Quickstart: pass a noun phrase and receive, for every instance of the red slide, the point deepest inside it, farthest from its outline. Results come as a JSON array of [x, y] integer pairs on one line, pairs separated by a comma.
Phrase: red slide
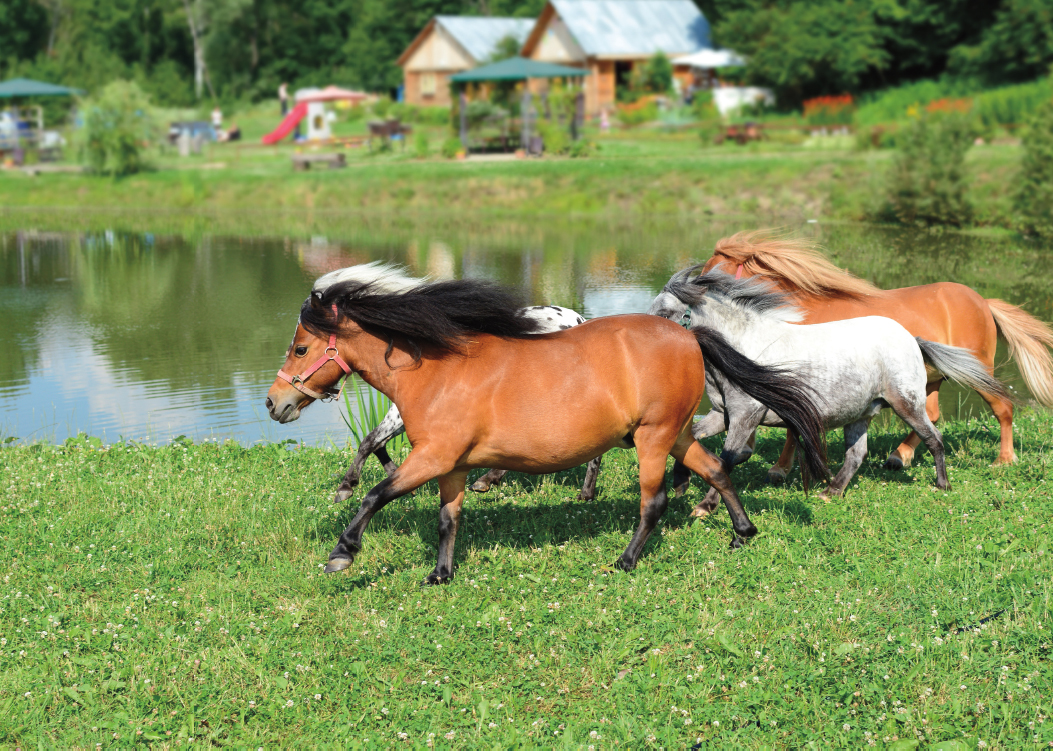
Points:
[[298, 113]]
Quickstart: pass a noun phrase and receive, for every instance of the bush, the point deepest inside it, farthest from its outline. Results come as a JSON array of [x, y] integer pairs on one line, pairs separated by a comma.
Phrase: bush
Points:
[[1034, 196], [655, 76], [702, 106], [1012, 105], [632, 115], [451, 147], [555, 137], [829, 110], [710, 132], [420, 145], [926, 184], [355, 113], [382, 107], [581, 148], [118, 125]]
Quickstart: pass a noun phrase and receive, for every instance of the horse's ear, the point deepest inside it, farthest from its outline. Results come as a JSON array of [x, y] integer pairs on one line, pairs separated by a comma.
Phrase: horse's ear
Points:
[[315, 299]]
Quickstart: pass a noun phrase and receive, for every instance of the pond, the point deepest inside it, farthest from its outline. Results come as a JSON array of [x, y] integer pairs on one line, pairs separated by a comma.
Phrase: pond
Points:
[[142, 336]]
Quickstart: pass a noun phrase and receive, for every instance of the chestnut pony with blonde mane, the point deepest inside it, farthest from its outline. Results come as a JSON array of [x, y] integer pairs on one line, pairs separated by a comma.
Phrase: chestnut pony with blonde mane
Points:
[[945, 312]]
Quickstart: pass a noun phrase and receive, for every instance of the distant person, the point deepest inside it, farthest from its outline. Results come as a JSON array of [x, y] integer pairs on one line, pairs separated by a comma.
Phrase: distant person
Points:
[[217, 118], [605, 121], [283, 97], [233, 133]]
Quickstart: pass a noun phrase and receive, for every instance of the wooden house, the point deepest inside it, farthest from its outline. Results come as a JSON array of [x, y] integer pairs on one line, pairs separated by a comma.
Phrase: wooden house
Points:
[[451, 44], [609, 37]]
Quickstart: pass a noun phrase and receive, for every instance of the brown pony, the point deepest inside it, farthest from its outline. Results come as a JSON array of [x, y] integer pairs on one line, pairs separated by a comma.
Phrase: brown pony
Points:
[[476, 390], [944, 312]]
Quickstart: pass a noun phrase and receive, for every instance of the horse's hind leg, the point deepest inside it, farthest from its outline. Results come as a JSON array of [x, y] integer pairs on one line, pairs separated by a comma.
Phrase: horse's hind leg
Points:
[[738, 447], [917, 418], [373, 443], [451, 496], [1003, 410], [779, 471], [713, 423], [653, 499], [703, 463], [855, 453], [903, 455], [488, 480]]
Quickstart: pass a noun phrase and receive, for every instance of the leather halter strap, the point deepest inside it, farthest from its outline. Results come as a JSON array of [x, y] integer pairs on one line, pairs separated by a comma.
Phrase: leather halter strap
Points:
[[331, 354], [738, 272]]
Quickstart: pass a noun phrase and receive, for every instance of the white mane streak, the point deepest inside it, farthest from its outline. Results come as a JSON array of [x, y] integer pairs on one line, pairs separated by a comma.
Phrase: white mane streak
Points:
[[383, 278]]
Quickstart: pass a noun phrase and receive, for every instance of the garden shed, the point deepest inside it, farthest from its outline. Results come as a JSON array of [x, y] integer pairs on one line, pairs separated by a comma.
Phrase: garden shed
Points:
[[609, 37], [451, 44]]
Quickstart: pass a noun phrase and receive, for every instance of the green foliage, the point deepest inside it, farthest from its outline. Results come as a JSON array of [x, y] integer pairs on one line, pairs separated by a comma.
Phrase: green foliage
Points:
[[1034, 192], [480, 112], [927, 183], [505, 48], [118, 125], [634, 115], [702, 106], [1017, 46], [355, 113], [411, 113], [581, 148], [451, 147], [421, 147], [654, 76], [1012, 105], [382, 107], [555, 137], [365, 414]]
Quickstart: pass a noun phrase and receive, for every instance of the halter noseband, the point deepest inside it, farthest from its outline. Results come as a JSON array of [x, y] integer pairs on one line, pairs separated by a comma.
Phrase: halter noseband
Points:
[[331, 354]]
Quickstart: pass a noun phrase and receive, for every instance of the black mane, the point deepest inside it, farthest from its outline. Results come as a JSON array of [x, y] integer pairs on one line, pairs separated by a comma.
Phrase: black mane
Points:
[[752, 294], [439, 315]]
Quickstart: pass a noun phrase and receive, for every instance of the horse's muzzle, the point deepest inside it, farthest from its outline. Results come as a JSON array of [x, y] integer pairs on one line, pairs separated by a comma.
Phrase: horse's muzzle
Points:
[[284, 410]]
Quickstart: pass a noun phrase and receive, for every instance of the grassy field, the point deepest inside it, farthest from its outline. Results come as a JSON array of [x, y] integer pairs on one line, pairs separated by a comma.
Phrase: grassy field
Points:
[[639, 173], [169, 595]]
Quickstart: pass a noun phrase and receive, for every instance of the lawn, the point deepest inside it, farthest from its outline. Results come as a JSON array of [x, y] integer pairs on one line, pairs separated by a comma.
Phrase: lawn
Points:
[[163, 594]]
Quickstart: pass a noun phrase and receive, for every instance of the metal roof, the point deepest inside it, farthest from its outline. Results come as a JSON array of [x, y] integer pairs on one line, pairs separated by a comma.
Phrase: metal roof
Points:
[[635, 27], [479, 35], [518, 69], [16, 87]]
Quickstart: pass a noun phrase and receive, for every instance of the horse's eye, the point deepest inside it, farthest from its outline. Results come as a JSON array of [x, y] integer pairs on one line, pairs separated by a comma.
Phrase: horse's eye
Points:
[[301, 351]]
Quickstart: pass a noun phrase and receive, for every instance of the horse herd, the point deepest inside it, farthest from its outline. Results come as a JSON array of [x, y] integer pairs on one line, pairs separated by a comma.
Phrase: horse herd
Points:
[[779, 335]]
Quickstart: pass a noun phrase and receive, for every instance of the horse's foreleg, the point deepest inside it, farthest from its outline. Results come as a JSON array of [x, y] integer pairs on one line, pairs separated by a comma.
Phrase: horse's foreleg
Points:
[[419, 467], [855, 453], [653, 499], [704, 463], [1003, 410], [373, 443], [488, 480], [902, 456], [592, 472], [738, 447], [451, 496]]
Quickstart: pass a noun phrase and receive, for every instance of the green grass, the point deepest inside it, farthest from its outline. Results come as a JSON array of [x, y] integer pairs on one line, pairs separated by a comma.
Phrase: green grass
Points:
[[162, 594]]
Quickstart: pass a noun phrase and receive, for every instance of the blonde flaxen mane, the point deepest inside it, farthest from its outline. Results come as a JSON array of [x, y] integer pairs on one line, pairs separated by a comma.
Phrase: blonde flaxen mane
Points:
[[795, 263]]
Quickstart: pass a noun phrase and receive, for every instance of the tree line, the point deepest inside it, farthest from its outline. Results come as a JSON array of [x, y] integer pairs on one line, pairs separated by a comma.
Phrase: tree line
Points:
[[187, 51]]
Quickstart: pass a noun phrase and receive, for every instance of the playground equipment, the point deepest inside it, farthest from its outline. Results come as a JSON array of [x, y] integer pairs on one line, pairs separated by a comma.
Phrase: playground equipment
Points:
[[311, 104]]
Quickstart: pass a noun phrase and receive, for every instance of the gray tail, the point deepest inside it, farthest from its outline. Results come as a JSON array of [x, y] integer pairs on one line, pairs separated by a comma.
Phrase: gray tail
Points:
[[963, 367], [779, 390]]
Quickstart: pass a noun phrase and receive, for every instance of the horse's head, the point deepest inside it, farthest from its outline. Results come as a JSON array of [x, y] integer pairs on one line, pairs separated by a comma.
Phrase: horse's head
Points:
[[312, 370], [676, 296]]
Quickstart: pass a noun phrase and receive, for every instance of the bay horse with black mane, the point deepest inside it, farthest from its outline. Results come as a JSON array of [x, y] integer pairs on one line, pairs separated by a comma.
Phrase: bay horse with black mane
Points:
[[945, 313], [476, 389]]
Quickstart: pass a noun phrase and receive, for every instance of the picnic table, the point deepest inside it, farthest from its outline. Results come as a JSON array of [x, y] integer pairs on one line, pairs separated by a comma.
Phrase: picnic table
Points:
[[303, 162]]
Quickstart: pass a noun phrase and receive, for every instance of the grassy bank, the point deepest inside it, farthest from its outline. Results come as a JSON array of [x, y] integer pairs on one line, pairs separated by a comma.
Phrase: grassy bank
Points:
[[640, 174], [164, 594]]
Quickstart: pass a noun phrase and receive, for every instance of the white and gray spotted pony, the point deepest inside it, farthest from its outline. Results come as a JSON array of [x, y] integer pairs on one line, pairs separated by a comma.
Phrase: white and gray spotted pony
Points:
[[857, 366], [549, 318]]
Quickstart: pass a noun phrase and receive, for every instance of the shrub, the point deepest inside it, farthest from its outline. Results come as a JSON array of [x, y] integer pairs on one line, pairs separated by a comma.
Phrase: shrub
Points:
[[638, 113], [1012, 105], [581, 148], [382, 107], [420, 145], [355, 113], [118, 125], [555, 137], [1034, 194], [702, 106], [926, 184], [829, 110], [451, 147], [655, 76], [710, 132]]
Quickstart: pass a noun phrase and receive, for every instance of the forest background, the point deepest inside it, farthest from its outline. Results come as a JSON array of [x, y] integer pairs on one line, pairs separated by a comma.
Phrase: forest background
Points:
[[183, 52]]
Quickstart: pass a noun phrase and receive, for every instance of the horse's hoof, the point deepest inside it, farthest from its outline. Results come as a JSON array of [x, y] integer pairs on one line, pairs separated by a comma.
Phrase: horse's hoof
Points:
[[1001, 461], [583, 496], [893, 463], [337, 564], [479, 486], [343, 494], [679, 490], [737, 543], [699, 512], [776, 476], [945, 487], [433, 579], [625, 565]]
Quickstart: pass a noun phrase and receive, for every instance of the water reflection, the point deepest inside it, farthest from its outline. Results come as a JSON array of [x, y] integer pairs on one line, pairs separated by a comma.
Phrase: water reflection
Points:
[[149, 337]]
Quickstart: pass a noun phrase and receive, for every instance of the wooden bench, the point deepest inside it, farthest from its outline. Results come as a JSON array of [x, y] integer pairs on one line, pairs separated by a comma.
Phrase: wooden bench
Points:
[[303, 162]]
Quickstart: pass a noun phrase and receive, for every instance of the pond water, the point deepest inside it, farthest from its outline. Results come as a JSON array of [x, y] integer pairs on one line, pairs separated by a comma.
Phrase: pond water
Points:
[[148, 337]]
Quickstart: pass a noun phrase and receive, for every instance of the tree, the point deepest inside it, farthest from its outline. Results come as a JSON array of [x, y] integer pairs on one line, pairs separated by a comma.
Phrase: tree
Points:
[[116, 125], [1018, 45], [1034, 194]]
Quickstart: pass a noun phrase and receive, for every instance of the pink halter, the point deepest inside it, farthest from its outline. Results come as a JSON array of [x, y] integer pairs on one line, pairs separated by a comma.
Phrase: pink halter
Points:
[[298, 382], [738, 272]]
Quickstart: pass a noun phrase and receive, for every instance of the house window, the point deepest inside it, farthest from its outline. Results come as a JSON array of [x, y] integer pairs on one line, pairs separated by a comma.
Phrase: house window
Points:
[[427, 84]]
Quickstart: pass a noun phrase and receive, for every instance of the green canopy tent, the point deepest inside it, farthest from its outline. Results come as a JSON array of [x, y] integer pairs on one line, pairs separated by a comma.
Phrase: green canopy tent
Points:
[[26, 87], [517, 69]]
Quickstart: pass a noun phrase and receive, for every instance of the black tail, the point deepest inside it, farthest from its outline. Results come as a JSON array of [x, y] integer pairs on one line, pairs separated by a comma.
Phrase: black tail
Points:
[[778, 390]]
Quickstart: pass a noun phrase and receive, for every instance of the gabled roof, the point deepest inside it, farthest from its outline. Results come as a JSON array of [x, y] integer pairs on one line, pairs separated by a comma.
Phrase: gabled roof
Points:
[[634, 28], [477, 35], [518, 69]]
